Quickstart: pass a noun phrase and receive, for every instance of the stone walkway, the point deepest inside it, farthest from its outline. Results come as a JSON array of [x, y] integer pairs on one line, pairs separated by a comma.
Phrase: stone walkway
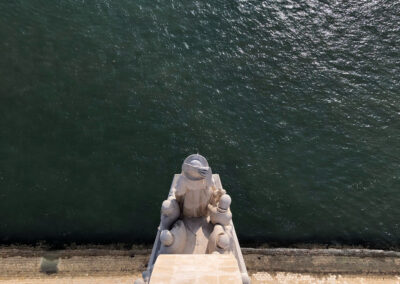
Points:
[[258, 278]]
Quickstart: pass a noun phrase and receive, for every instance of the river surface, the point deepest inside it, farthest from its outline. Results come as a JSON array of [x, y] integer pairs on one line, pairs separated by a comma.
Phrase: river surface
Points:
[[296, 104]]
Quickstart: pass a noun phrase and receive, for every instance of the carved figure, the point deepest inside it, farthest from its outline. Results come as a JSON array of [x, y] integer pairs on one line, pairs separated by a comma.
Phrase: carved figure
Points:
[[222, 214], [196, 217], [173, 241], [195, 200], [219, 241], [193, 190]]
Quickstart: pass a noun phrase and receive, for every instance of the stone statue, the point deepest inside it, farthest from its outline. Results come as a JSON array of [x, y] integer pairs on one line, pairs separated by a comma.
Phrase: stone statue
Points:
[[196, 218], [198, 204]]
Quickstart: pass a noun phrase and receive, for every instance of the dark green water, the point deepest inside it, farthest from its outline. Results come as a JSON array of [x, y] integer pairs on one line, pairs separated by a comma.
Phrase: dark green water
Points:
[[296, 104]]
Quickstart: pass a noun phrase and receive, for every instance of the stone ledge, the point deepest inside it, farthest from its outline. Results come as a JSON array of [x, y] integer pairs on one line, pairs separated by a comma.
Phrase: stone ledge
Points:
[[17, 262]]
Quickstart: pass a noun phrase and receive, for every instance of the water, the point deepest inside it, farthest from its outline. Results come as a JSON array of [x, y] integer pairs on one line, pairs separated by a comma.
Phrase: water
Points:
[[296, 104]]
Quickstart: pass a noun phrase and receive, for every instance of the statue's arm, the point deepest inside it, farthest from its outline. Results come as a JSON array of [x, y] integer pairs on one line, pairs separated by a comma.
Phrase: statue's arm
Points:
[[179, 190], [170, 209]]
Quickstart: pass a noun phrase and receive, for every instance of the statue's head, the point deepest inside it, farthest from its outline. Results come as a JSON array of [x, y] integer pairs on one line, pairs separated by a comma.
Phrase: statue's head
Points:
[[192, 165]]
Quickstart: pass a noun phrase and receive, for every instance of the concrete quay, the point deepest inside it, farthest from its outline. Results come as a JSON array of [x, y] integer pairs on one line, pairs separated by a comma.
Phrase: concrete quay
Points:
[[103, 264]]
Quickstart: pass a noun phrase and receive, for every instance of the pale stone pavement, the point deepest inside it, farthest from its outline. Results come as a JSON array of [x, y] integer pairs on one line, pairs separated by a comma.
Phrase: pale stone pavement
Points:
[[258, 278]]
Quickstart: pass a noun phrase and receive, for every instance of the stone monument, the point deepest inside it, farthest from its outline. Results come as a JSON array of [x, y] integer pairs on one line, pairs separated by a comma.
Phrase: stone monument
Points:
[[196, 218]]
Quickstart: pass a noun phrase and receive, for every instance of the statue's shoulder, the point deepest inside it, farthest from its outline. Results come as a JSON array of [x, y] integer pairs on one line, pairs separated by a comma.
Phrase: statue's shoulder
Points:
[[181, 180], [181, 184]]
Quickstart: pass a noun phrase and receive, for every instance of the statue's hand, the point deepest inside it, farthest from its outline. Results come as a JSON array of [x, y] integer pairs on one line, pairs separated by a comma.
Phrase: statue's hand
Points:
[[204, 171]]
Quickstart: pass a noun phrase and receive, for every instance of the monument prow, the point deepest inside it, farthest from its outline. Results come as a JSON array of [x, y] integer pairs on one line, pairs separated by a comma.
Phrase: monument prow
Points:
[[196, 220]]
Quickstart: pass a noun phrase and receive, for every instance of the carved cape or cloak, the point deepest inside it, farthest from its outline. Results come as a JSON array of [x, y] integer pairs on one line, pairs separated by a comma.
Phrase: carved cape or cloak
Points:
[[193, 196]]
